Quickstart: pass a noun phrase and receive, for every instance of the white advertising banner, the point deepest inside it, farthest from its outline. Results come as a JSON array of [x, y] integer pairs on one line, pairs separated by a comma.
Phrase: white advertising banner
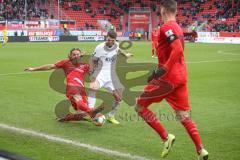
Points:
[[205, 36], [225, 40], [90, 38], [85, 33], [208, 34], [44, 38], [230, 40], [123, 38], [214, 37], [12, 32]]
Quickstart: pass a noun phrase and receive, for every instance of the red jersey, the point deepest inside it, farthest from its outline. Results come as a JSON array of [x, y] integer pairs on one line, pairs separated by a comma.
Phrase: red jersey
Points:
[[173, 61], [74, 73], [155, 36]]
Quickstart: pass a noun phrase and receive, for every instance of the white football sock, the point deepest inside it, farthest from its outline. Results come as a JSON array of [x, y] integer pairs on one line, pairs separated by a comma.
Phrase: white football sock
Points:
[[115, 107], [91, 99]]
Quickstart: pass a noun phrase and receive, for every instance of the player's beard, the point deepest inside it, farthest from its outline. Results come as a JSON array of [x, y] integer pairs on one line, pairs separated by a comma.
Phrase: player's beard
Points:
[[76, 60]]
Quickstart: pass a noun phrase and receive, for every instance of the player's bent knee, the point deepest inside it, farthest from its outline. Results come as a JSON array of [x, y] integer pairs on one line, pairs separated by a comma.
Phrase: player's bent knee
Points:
[[74, 100], [142, 102], [138, 108], [182, 115], [77, 97]]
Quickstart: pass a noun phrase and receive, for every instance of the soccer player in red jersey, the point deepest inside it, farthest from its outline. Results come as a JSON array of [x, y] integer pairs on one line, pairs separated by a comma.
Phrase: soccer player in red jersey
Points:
[[154, 36], [169, 82], [75, 90]]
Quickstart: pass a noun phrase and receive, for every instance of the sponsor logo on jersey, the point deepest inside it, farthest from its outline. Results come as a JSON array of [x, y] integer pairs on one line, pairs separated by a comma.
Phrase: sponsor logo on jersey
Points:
[[109, 59]]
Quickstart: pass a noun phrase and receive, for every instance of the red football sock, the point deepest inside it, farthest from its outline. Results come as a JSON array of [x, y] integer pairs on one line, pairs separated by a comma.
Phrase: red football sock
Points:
[[73, 117], [192, 130], [152, 121], [80, 105]]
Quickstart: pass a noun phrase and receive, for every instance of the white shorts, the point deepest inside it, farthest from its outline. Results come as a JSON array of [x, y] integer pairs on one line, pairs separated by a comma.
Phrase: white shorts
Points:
[[109, 83]]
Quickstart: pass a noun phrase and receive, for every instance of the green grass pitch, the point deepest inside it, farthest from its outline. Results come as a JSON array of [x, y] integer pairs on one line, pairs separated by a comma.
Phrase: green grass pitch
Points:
[[28, 102]]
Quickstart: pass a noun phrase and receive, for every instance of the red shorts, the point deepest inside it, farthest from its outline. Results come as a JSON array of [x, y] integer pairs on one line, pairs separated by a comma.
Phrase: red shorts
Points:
[[154, 45], [76, 90], [157, 90]]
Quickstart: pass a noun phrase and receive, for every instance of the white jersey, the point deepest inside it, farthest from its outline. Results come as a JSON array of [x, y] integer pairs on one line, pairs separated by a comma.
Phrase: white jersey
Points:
[[105, 72], [106, 56]]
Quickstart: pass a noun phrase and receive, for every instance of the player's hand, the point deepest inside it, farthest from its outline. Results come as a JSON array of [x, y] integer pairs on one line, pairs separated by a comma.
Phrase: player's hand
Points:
[[151, 76], [157, 73], [29, 69]]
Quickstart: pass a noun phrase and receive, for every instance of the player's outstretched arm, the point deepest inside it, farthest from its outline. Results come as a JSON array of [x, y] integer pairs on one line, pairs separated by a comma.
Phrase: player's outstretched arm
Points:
[[41, 68], [128, 55]]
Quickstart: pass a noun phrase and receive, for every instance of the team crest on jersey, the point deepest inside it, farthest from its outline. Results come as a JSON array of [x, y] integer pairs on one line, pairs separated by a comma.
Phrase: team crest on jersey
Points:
[[170, 36], [169, 33]]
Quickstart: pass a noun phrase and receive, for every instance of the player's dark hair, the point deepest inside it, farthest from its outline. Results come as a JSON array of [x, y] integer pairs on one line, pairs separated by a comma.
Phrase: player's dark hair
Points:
[[73, 49], [112, 34], [169, 5]]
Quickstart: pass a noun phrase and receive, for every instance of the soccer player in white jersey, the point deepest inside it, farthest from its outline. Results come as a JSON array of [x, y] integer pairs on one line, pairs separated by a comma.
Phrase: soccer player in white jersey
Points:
[[102, 67]]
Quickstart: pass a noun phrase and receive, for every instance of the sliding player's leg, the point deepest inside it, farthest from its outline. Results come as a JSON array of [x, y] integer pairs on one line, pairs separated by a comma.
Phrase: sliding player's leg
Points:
[[80, 103], [94, 87]]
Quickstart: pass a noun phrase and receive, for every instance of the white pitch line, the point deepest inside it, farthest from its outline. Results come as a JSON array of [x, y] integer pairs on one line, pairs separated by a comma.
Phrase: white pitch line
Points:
[[71, 142], [228, 53], [137, 65]]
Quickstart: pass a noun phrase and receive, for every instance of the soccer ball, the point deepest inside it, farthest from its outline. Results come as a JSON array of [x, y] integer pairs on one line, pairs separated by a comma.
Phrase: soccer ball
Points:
[[99, 119]]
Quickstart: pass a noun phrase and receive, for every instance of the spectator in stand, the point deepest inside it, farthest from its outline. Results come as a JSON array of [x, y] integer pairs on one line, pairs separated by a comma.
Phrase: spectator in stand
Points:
[[22, 33], [225, 9], [131, 35], [65, 27], [146, 35], [15, 33], [12, 10], [139, 36]]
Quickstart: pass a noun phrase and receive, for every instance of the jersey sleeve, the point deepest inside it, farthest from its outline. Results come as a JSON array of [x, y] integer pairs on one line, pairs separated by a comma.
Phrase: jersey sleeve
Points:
[[175, 45], [169, 33], [60, 64], [96, 53], [118, 48]]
